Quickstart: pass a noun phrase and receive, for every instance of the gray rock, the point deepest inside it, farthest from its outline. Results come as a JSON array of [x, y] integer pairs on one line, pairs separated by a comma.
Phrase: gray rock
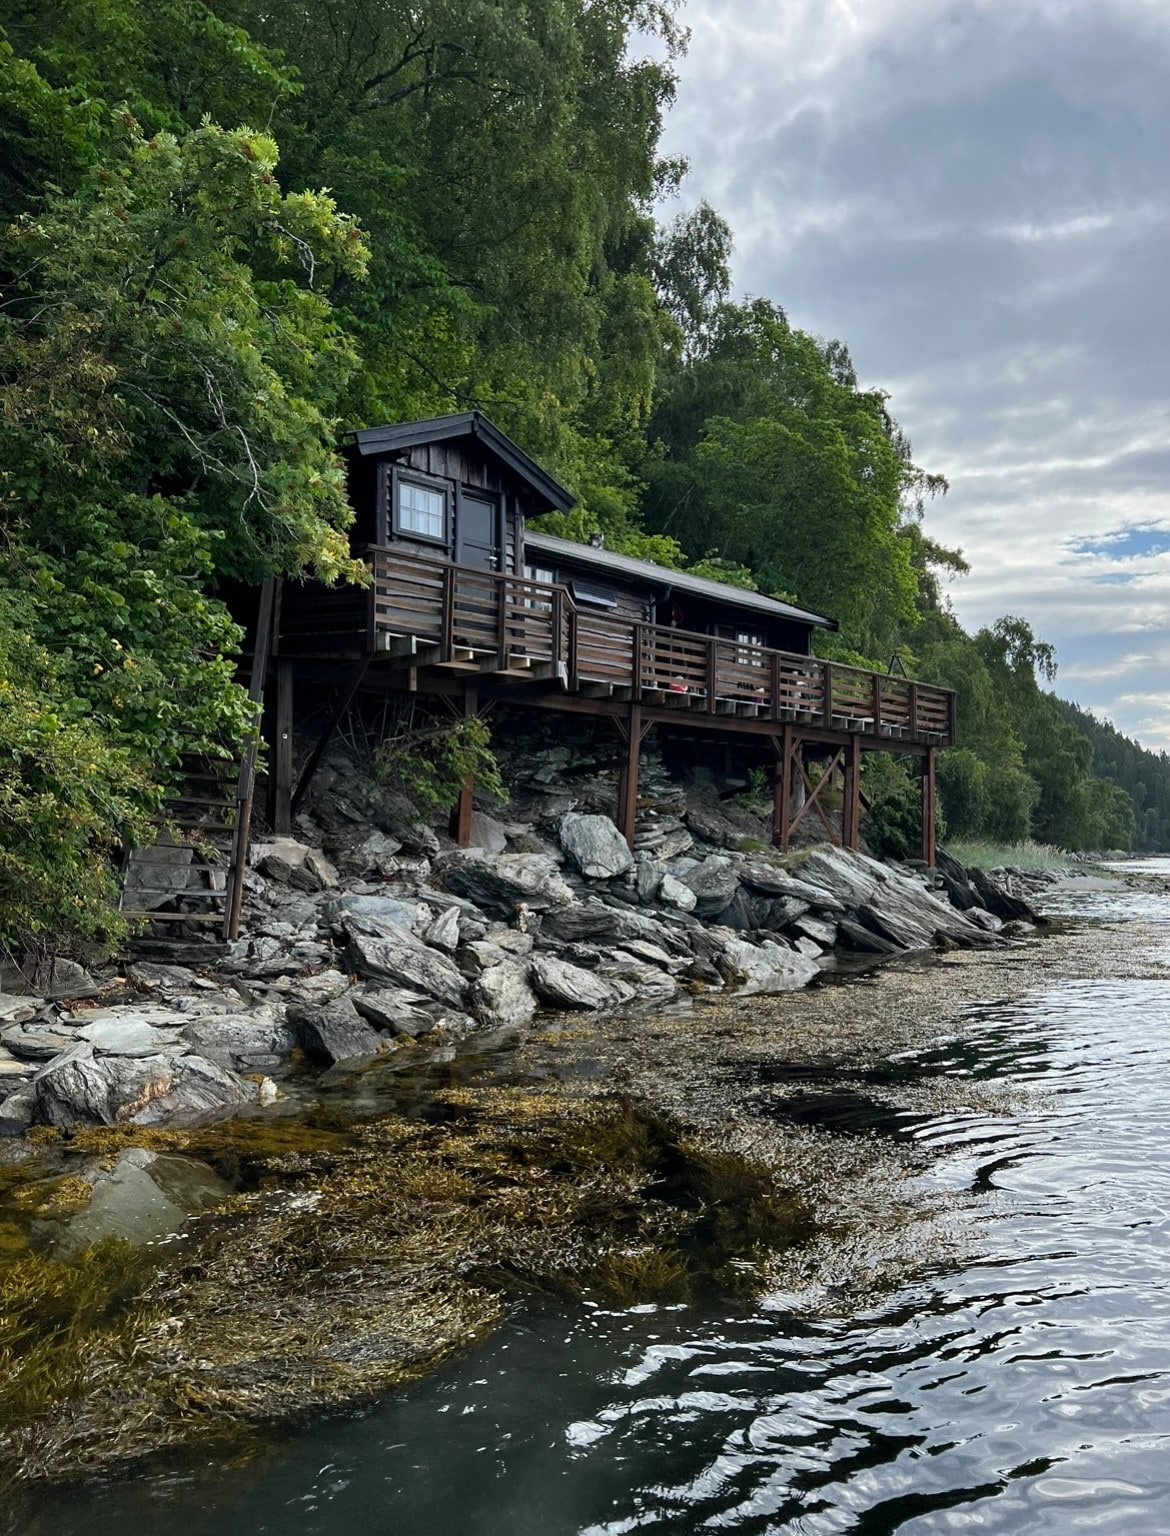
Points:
[[500, 883], [335, 1034], [994, 895], [15, 1009], [82, 1089], [315, 873], [714, 883], [379, 913], [501, 997], [561, 985], [595, 846], [512, 941], [664, 844], [479, 956], [955, 881], [36, 1042], [287, 850], [854, 935], [143, 1197], [233, 1038], [153, 976], [444, 931], [764, 967], [983, 919], [155, 876], [17, 1109], [673, 893], [710, 827], [653, 954], [818, 929], [402, 960], [319, 989], [648, 880], [128, 1037], [395, 1010], [487, 833], [806, 946], [648, 985]]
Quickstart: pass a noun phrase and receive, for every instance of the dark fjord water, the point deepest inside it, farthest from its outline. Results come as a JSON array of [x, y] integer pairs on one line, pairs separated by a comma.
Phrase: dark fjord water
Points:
[[1022, 1389]]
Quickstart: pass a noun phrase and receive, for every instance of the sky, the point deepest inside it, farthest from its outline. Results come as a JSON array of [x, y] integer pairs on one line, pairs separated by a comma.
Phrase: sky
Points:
[[975, 197]]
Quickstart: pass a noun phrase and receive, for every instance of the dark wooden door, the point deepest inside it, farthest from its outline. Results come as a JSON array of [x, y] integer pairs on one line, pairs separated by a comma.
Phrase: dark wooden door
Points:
[[477, 533]]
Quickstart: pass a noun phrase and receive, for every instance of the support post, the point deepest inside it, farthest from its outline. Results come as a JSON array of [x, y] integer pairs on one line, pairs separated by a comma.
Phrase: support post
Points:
[[461, 816], [782, 789], [851, 804], [631, 731], [282, 748], [929, 846]]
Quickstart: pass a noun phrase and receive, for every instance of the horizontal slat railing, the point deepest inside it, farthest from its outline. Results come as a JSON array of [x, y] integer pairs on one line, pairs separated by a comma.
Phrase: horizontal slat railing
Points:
[[470, 614]]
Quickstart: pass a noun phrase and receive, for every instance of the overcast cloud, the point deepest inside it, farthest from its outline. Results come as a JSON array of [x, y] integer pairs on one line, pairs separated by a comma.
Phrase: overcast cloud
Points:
[[975, 198]]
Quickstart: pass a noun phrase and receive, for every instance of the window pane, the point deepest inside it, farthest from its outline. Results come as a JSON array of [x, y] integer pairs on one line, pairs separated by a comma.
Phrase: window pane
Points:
[[421, 510]]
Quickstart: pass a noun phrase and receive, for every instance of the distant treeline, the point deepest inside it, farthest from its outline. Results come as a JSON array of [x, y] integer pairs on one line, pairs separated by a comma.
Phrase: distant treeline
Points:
[[1143, 775], [190, 320]]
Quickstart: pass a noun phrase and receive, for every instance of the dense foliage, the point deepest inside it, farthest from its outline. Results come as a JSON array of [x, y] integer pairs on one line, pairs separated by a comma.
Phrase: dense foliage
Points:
[[189, 317]]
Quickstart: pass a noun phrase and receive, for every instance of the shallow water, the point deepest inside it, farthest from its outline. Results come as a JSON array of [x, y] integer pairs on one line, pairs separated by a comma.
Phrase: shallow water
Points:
[[1022, 1388]]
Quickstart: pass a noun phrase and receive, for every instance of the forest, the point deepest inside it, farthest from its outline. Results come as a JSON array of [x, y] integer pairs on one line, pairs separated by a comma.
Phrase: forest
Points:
[[229, 232]]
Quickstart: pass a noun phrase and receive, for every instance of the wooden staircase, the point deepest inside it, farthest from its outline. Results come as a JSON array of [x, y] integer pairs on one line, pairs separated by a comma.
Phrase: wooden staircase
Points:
[[193, 872]]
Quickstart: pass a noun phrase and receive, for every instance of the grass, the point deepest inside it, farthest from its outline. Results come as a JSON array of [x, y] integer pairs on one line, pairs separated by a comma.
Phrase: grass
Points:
[[1027, 855]]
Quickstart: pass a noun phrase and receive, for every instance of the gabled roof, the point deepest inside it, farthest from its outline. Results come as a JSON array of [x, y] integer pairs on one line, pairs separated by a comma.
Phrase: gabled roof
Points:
[[409, 434], [565, 552]]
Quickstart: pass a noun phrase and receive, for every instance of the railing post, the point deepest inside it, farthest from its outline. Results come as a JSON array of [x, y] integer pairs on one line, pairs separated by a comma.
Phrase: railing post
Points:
[[448, 631], [639, 643], [913, 687], [952, 719], [712, 672], [827, 695], [574, 651], [500, 583], [557, 620], [877, 704], [774, 682]]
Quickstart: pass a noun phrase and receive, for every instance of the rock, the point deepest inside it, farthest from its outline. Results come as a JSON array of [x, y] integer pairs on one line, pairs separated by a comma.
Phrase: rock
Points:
[[773, 880], [1017, 928], [512, 941], [501, 997], [983, 919], [15, 1009], [397, 1011], [379, 914], [335, 1034], [36, 1042], [232, 1038], [806, 946], [955, 881], [80, 1088], [499, 883], [595, 846], [479, 956], [378, 852], [709, 827], [142, 1197], [747, 911], [12, 1066], [289, 853], [156, 876], [855, 936], [664, 843], [487, 833], [713, 883], [17, 1109], [998, 900], [648, 985], [641, 949], [444, 931], [320, 989], [131, 1036], [818, 929], [673, 893], [648, 880], [401, 959], [764, 967], [315, 873], [156, 977], [561, 985]]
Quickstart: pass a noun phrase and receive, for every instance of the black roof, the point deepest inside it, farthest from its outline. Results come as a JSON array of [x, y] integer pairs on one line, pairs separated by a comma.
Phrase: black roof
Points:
[[564, 551], [408, 434]]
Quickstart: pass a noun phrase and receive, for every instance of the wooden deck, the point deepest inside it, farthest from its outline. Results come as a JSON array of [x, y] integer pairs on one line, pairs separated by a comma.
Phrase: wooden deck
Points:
[[431, 614]]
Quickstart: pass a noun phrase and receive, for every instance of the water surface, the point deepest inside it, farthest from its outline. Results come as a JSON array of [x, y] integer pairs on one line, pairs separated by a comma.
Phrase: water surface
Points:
[[1024, 1388]]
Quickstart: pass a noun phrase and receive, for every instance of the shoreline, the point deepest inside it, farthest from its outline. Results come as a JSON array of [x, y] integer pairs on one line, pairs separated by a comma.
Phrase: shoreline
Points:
[[597, 1156]]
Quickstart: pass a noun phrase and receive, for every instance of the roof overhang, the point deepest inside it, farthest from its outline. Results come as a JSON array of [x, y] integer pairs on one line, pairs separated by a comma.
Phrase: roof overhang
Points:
[[372, 441], [665, 579]]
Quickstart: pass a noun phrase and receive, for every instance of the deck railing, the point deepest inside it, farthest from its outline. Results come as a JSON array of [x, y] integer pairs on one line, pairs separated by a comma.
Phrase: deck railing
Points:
[[463, 616]]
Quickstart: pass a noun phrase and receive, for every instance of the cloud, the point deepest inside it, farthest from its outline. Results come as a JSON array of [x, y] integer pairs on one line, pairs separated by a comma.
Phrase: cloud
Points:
[[973, 196]]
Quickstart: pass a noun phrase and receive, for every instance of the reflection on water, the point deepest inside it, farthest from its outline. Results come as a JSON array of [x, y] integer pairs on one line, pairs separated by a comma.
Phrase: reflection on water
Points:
[[1028, 1391]]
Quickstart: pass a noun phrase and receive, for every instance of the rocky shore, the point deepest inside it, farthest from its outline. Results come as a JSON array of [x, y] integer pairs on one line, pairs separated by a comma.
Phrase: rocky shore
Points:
[[253, 1182]]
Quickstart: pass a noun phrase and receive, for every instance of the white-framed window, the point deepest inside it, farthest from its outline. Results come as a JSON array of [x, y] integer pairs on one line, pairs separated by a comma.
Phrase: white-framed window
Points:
[[534, 599], [420, 510], [746, 658]]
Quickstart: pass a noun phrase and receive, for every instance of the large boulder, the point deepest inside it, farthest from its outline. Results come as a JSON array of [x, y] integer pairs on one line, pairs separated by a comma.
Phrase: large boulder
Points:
[[595, 846], [235, 1039], [501, 997], [334, 1034], [764, 967], [395, 1010], [401, 959], [713, 883], [81, 1088], [673, 893], [561, 985], [499, 883]]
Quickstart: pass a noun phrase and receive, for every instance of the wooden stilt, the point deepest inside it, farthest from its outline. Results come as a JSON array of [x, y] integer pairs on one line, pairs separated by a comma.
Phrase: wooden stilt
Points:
[[851, 803], [461, 816], [929, 809], [631, 732], [281, 761], [781, 788]]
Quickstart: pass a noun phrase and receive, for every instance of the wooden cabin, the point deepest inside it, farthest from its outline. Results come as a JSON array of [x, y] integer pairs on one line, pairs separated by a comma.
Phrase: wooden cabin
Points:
[[468, 602]]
